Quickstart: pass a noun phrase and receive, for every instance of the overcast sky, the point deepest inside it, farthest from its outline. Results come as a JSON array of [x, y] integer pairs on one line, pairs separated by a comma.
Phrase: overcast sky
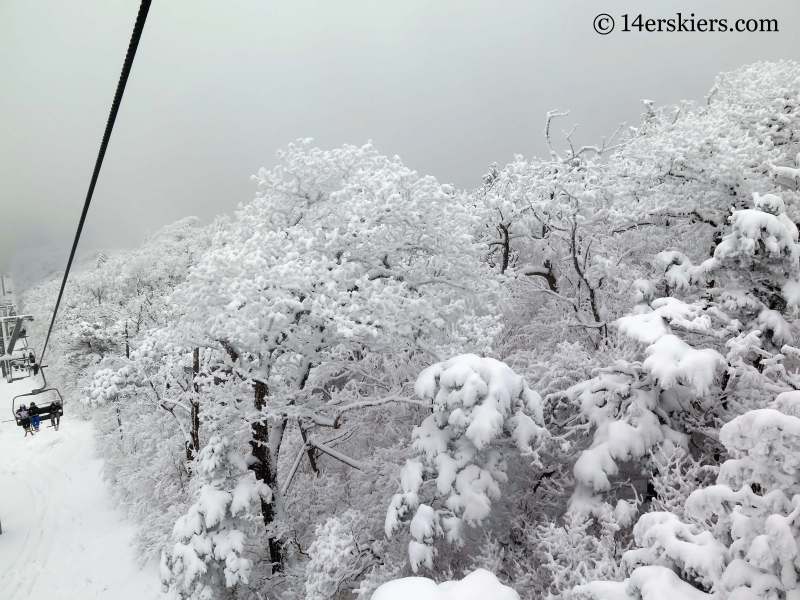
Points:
[[219, 85]]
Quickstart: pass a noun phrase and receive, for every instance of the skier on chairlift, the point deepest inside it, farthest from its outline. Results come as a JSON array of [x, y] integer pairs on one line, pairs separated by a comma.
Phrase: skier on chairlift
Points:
[[24, 419], [33, 412], [55, 414]]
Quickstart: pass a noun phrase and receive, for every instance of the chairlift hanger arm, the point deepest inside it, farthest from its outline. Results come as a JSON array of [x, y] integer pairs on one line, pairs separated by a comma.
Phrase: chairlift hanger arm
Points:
[[15, 318], [14, 337]]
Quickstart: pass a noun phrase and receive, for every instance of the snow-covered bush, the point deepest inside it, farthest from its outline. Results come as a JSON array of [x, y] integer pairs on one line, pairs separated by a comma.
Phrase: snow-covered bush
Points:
[[632, 406], [481, 409], [581, 550], [675, 475]]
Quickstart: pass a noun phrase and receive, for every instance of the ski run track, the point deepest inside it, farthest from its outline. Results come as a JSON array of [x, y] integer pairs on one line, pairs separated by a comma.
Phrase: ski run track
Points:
[[62, 538]]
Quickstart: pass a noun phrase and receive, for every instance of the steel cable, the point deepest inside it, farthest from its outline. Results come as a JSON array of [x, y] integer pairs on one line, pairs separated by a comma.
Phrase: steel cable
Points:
[[112, 117]]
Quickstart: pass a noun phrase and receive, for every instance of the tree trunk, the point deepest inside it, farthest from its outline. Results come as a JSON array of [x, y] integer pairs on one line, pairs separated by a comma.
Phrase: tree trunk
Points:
[[119, 422], [265, 467], [193, 446], [506, 247], [312, 459]]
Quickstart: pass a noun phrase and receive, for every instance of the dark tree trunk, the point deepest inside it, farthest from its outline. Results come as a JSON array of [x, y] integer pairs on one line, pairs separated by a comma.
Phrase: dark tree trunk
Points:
[[506, 247], [193, 445], [266, 470], [119, 422], [312, 459]]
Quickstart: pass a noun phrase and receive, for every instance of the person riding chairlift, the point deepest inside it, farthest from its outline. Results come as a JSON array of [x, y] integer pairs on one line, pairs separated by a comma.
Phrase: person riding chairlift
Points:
[[24, 419], [32, 363], [33, 412], [55, 414]]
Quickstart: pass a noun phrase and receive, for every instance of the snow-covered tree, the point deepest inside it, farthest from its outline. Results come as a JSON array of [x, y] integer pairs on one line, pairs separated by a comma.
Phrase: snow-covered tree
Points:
[[338, 555], [580, 550], [330, 290], [740, 536], [209, 552], [636, 405]]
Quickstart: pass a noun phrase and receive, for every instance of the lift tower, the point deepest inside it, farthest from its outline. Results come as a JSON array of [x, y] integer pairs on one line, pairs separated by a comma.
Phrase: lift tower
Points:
[[11, 331]]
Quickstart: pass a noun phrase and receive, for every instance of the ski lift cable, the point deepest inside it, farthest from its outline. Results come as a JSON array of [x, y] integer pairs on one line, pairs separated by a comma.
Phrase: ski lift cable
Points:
[[112, 117]]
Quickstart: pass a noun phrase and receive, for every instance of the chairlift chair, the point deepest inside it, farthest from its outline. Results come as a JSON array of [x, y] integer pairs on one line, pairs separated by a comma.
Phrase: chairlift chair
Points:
[[50, 411], [18, 364]]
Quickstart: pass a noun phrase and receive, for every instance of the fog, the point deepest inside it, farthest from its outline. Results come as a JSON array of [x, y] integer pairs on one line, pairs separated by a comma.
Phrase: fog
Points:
[[218, 87]]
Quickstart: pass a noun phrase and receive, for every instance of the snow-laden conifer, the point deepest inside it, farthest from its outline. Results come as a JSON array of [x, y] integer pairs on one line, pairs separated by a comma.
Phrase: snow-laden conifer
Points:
[[209, 551], [481, 409]]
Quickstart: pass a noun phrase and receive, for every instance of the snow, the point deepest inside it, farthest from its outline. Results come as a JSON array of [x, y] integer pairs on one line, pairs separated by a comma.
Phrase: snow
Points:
[[625, 513], [672, 361], [787, 172], [752, 227], [773, 322], [478, 585], [210, 533], [647, 583], [411, 476], [644, 327], [420, 553], [62, 538], [791, 293], [768, 437], [664, 539], [482, 394], [648, 326], [602, 590], [424, 524], [678, 269], [616, 441], [659, 583], [644, 290]]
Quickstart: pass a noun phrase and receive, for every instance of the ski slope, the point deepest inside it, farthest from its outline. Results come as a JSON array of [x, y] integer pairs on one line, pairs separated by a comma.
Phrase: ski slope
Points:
[[62, 538]]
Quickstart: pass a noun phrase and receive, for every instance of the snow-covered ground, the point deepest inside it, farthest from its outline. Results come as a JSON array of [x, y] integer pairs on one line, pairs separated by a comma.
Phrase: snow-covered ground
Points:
[[62, 537]]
